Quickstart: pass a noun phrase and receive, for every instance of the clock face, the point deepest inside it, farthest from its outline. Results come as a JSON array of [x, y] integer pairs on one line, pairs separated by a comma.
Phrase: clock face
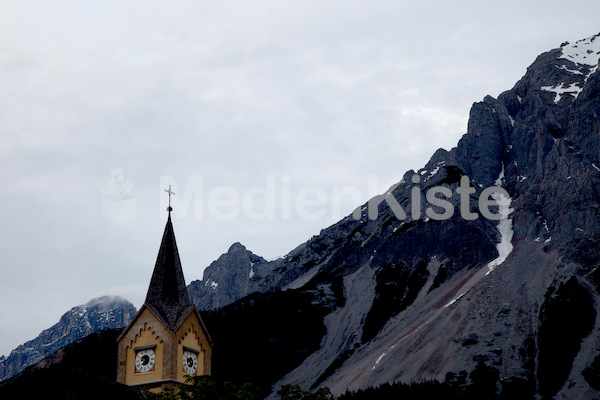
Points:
[[144, 360], [190, 362]]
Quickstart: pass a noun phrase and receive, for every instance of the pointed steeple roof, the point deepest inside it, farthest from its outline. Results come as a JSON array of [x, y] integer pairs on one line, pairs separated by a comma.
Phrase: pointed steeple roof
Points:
[[167, 294]]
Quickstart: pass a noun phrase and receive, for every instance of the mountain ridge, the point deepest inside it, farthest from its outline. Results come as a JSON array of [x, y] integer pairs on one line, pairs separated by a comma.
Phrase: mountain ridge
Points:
[[413, 299], [100, 313]]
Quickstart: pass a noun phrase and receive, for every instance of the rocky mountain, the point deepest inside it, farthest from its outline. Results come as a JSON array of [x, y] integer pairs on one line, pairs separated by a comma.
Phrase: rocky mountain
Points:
[[98, 314], [232, 276], [428, 281]]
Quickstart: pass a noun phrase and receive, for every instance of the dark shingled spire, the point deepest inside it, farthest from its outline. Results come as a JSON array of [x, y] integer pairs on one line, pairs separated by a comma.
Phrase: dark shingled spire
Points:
[[167, 295]]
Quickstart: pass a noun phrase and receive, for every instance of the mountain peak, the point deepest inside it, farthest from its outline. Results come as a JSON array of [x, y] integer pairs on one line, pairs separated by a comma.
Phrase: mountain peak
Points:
[[585, 51], [236, 247], [107, 299], [563, 72], [234, 274]]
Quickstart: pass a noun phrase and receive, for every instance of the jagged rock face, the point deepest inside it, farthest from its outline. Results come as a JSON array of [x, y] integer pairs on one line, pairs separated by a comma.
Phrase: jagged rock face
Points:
[[412, 298], [98, 314], [546, 148], [234, 275]]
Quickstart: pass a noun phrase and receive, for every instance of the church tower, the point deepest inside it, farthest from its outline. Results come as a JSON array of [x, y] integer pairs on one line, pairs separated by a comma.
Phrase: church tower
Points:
[[166, 341]]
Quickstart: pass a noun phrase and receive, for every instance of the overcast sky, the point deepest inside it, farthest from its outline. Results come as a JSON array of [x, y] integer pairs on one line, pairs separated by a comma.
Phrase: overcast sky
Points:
[[270, 119]]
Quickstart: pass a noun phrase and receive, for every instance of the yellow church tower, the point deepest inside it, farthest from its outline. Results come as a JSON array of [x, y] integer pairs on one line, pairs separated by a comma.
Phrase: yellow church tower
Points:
[[166, 341]]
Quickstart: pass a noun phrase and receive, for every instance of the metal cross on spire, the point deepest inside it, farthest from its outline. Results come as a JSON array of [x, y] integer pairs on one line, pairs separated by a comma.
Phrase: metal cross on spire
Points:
[[169, 209]]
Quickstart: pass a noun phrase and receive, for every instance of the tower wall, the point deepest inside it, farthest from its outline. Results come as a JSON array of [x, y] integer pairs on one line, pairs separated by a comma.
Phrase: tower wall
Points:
[[146, 330]]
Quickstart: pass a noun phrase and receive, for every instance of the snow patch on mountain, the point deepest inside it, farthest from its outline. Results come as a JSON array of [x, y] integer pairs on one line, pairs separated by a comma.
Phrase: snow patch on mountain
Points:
[[505, 228], [562, 89], [585, 51]]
